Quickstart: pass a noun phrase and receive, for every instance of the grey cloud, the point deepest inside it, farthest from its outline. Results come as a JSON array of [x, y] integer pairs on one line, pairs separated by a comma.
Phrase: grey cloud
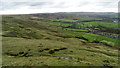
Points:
[[83, 3], [107, 4], [13, 5], [59, 5], [63, 5], [38, 5]]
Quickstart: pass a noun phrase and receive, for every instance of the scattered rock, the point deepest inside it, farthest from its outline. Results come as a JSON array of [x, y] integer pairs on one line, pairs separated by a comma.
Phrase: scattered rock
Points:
[[106, 61], [92, 55], [47, 38], [21, 52], [21, 26], [62, 48], [29, 54], [88, 63], [51, 51], [41, 62], [65, 57], [29, 49], [12, 54], [40, 50], [46, 49], [25, 54], [56, 49]]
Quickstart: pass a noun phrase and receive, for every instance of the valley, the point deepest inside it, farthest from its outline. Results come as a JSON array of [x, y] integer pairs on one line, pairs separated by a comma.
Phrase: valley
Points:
[[60, 39]]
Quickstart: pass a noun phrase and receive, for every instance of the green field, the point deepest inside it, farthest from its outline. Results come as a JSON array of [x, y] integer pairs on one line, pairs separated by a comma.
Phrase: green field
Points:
[[93, 37], [66, 20], [59, 24], [96, 23], [77, 30], [88, 18]]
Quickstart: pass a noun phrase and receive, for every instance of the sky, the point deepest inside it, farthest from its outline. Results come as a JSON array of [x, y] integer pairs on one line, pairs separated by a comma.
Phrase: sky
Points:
[[51, 6]]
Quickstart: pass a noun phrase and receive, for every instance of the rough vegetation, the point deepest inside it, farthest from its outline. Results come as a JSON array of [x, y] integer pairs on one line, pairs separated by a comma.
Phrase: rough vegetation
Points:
[[59, 40]]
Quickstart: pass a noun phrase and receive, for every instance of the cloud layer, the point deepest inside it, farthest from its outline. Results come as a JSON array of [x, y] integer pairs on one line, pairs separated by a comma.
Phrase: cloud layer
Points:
[[50, 6]]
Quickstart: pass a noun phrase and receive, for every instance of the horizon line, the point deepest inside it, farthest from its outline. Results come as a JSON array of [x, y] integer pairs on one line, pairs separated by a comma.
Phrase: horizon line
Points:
[[57, 12]]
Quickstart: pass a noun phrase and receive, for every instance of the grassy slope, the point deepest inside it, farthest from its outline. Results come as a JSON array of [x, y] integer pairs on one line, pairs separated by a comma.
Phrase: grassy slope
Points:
[[89, 54], [41, 36]]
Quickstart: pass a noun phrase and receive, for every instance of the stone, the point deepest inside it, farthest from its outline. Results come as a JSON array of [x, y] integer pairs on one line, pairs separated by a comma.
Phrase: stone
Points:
[[65, 57]]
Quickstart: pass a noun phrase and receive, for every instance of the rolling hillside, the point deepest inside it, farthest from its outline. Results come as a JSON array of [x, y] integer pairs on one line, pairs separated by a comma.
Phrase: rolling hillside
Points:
[[59, 39]]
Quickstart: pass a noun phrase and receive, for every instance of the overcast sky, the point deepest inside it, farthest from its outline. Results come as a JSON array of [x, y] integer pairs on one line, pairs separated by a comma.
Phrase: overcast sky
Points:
[[50, 6]]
